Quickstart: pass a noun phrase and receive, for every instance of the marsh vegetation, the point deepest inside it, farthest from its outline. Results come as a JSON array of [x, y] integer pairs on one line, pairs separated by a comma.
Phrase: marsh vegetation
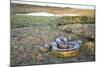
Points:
[[29, 33]]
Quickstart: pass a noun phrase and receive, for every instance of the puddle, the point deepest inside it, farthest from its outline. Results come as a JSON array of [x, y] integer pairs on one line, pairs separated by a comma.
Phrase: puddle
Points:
[[47, 14], [38, 14]]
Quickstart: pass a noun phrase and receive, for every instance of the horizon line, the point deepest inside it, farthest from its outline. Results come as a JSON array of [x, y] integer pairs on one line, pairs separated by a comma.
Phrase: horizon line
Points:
[[54, 3]]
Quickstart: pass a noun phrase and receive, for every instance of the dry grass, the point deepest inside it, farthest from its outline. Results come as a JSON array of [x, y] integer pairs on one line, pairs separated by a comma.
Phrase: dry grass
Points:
[[26, 43], [17, 8]]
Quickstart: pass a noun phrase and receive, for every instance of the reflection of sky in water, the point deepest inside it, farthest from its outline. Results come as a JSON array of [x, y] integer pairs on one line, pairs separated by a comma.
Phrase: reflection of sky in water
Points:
[[47, 14], [52, 4]]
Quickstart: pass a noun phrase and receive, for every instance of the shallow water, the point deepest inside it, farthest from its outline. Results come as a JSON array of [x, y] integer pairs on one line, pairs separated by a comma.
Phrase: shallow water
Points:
[[47, 14], [38, 14]]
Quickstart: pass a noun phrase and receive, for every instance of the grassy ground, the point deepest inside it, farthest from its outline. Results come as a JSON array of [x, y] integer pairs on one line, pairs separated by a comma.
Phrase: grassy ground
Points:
[[29, 33], [26, 21]]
